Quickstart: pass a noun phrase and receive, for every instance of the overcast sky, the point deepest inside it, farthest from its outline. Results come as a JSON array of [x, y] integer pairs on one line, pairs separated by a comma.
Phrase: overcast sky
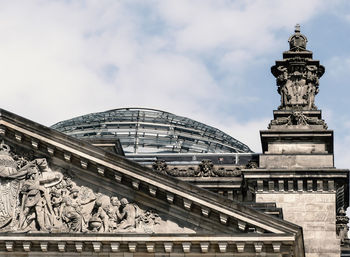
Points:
[[206, 60]]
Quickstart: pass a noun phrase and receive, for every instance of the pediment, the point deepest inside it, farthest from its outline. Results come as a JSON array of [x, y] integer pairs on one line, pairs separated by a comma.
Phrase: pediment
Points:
[[40, 196], [53, 183]]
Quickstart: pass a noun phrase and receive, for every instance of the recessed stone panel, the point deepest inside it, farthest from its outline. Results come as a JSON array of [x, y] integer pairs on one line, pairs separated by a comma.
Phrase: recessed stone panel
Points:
[[296, 161]]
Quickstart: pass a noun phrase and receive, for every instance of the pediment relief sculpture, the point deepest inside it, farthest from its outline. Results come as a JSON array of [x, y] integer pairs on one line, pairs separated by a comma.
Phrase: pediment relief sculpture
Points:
[[37, 198]]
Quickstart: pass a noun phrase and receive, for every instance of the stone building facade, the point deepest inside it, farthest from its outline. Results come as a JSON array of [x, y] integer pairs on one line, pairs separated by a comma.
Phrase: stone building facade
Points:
[[65, 195]]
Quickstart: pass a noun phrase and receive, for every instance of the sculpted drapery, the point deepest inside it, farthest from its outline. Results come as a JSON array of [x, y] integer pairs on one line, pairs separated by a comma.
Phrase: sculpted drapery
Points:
[[33, 197]]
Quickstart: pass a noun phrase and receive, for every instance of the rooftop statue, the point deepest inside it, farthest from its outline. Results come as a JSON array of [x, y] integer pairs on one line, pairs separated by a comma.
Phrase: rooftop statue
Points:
[[297, 75]]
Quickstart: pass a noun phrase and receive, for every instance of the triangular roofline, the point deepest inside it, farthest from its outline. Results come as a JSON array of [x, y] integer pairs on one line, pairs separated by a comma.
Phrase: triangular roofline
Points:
[[108, 164]]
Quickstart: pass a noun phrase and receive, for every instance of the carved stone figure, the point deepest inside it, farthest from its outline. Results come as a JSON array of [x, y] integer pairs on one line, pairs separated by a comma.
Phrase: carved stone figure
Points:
[[34, 198], [99, 220], [252, 165], [26, 181], [127, 216], [56, 201], [9, 188], [72, 211], [206, 168], [160, 166], [312, 82], [113, 213], [36, 209], [281, 80]]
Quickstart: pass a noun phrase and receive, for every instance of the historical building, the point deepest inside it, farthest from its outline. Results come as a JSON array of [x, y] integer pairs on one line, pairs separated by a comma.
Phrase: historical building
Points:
[[138, 182]]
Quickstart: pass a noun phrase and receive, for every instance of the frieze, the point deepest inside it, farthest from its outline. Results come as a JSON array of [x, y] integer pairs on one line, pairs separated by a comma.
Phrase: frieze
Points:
[[298, 118], [205, 169], [37, 198]]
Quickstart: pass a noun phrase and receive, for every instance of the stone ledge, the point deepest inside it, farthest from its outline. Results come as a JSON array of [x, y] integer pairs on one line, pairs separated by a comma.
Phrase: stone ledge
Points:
[[145, 244], [292, 185]]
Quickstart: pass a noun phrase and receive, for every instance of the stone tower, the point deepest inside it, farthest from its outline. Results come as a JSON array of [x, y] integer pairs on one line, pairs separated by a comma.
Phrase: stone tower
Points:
[[296, 169]]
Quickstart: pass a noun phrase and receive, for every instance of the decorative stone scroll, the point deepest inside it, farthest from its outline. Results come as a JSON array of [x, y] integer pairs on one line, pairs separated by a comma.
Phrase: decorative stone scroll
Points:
[[297, 75], [35, 198], [297, 118], [205, 169]]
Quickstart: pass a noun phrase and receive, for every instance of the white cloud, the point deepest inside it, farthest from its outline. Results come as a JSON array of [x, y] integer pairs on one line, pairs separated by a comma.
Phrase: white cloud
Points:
[[342, 152], [60, 59], [205, 25]]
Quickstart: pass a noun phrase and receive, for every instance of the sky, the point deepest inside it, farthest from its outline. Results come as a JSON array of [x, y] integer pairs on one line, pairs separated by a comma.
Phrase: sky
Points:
[[205, 60]]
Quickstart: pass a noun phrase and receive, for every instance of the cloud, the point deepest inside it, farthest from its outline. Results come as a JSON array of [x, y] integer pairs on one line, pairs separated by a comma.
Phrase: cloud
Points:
[[342, 141], [205, 25], [61, 59], [201, 59], [342, 152]]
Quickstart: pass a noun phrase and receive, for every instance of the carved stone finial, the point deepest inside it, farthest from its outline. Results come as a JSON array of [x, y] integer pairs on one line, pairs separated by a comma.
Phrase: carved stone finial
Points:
[[297, 75], [297, 42]]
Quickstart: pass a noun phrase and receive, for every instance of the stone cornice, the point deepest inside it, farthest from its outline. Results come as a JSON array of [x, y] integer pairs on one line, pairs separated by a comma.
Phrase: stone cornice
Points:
[[295, 173], [145, 243]]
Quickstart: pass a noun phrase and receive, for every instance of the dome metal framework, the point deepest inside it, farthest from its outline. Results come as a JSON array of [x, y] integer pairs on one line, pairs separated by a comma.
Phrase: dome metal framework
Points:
[[143, 130]]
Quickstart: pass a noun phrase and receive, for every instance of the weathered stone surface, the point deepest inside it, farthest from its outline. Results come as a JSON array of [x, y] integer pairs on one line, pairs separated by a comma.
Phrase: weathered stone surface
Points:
[[101, 202], [297, 75], [36, 198], [288, 161], [81, 202], [315, 212]]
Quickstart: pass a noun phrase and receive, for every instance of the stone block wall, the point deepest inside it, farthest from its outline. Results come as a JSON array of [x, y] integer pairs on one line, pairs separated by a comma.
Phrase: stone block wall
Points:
[[315, 212]]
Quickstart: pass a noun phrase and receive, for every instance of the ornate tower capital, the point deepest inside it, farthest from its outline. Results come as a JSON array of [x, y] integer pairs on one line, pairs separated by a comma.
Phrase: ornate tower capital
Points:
[[297, 75]]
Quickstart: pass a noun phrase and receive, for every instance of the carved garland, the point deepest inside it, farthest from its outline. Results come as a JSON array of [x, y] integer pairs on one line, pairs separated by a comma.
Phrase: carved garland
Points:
[[298, 118], [205, 169]]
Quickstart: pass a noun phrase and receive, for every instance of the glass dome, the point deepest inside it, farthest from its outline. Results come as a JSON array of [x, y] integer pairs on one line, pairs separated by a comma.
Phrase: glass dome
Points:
[[151, 131]]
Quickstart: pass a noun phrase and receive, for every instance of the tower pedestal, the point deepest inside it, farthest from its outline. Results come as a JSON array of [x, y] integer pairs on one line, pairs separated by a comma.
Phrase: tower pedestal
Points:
[[296, 169]]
